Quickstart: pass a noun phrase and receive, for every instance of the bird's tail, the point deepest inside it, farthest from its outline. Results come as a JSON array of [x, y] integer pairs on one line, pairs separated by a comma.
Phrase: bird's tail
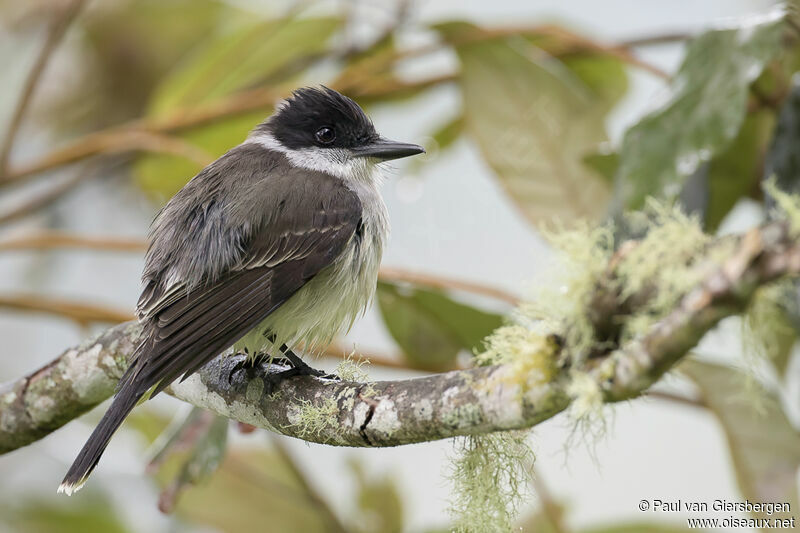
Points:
[[124, 402]]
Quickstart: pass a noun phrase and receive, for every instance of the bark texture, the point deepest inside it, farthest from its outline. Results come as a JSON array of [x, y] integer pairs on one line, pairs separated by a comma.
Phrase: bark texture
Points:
[[390, 413]]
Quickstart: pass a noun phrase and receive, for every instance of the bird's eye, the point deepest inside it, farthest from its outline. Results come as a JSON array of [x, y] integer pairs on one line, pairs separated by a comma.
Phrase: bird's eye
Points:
[[325, 135]]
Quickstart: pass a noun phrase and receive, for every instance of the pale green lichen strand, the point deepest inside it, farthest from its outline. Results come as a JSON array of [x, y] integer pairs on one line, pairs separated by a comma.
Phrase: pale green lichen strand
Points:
[[491, 479]]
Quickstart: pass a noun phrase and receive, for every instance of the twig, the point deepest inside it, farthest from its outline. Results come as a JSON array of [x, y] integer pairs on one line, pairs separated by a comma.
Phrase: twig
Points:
[[391, 413], [58, 27], [353, 81], [43, 199], [81, 313], [550, 507], [655, 40], [283, 452], [113, 141], [677, 398], [438, 282], [46, 240], [50, 239]]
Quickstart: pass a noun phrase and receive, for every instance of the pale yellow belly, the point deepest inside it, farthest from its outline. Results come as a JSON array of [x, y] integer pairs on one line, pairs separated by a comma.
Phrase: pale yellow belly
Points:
[[323, 308]]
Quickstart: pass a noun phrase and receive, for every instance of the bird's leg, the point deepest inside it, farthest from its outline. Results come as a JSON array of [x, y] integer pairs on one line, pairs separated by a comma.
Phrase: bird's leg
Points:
[[301, 367], [251, 362]]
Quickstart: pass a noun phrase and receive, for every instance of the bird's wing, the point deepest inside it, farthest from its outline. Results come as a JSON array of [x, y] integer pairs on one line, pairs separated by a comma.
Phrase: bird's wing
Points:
[[187, 326]]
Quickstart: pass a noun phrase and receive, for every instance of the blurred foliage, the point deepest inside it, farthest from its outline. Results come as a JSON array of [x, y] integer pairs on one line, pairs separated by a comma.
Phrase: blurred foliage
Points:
[[705, 111], [253, 490], [189, 454], [131, 46], [77, 515], [430, 327], [534, 100], [534, 119], [380, 505], [764, 446], [735, 172], [232, 60], [783, 158]]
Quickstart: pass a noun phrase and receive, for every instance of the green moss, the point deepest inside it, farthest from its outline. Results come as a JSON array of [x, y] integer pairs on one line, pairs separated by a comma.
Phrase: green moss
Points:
[[491, 476], [316, 420], [672, 258], [787, 205], [462, 415], [766, 327], [650, 276], [560, 305], [352, 368]]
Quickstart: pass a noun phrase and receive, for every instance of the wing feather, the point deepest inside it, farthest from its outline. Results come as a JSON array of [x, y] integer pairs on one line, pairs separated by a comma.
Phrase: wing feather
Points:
[[309, 218]]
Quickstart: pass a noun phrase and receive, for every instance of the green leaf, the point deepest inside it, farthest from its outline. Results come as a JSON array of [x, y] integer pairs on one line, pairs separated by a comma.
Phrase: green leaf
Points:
[[533, 121], [240, 58], [147, 422], [199, 444], [380, 505], [131, 46], [737, 170], [163, 175], [444, 136], [764, 446], [431, 328], [542, 521], [90, 512], [783, 158], [228, 62], [605, 164], [447, 133], [249, 486], [703, 114], [604, 75]]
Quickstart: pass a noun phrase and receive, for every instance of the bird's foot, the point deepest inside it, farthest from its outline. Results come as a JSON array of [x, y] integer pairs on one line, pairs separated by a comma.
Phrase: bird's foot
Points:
[[295, 367], [252, 362], [303, 369]]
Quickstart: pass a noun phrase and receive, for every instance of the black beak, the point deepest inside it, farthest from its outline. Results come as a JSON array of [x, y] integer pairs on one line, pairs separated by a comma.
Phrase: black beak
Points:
[[385, 149]]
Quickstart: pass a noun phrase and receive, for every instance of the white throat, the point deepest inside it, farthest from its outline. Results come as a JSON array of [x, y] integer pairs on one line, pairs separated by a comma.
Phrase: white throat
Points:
[[336, 161]]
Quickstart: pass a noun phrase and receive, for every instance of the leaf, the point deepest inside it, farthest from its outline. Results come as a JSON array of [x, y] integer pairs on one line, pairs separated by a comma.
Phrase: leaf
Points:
[[541, 521], [90, 512], [447, 133], [228, 62], [533, 121], [764, 446], [604, 75], [704, 112], [163, 175], [431, 328], [605, 164], [737, 170], [130, 47], [199, 443], [240, 58], [380, 505], [253, 490], [783, 158], [444, 136], [147, 422]]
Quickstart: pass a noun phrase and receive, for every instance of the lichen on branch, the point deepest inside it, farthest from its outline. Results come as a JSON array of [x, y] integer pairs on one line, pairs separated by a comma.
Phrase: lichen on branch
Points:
[[533, 369]]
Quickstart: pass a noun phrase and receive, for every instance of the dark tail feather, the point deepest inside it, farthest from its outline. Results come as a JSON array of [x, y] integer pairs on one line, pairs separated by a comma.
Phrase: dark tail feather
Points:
[[124, 402]]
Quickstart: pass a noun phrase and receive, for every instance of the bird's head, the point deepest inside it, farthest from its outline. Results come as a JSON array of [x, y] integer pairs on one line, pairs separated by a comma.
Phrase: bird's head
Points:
[[321, 129]]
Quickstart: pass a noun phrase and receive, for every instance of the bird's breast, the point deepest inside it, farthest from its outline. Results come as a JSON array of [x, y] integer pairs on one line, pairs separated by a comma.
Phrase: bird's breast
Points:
[[330, 302]]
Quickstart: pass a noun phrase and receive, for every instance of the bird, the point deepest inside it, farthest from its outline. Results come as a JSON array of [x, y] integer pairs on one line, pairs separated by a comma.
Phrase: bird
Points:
[[277, 242]]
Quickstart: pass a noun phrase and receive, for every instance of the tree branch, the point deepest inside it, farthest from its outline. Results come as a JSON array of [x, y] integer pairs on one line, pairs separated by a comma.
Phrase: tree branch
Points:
[[390, 413], [58, 27], [356, 81]]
